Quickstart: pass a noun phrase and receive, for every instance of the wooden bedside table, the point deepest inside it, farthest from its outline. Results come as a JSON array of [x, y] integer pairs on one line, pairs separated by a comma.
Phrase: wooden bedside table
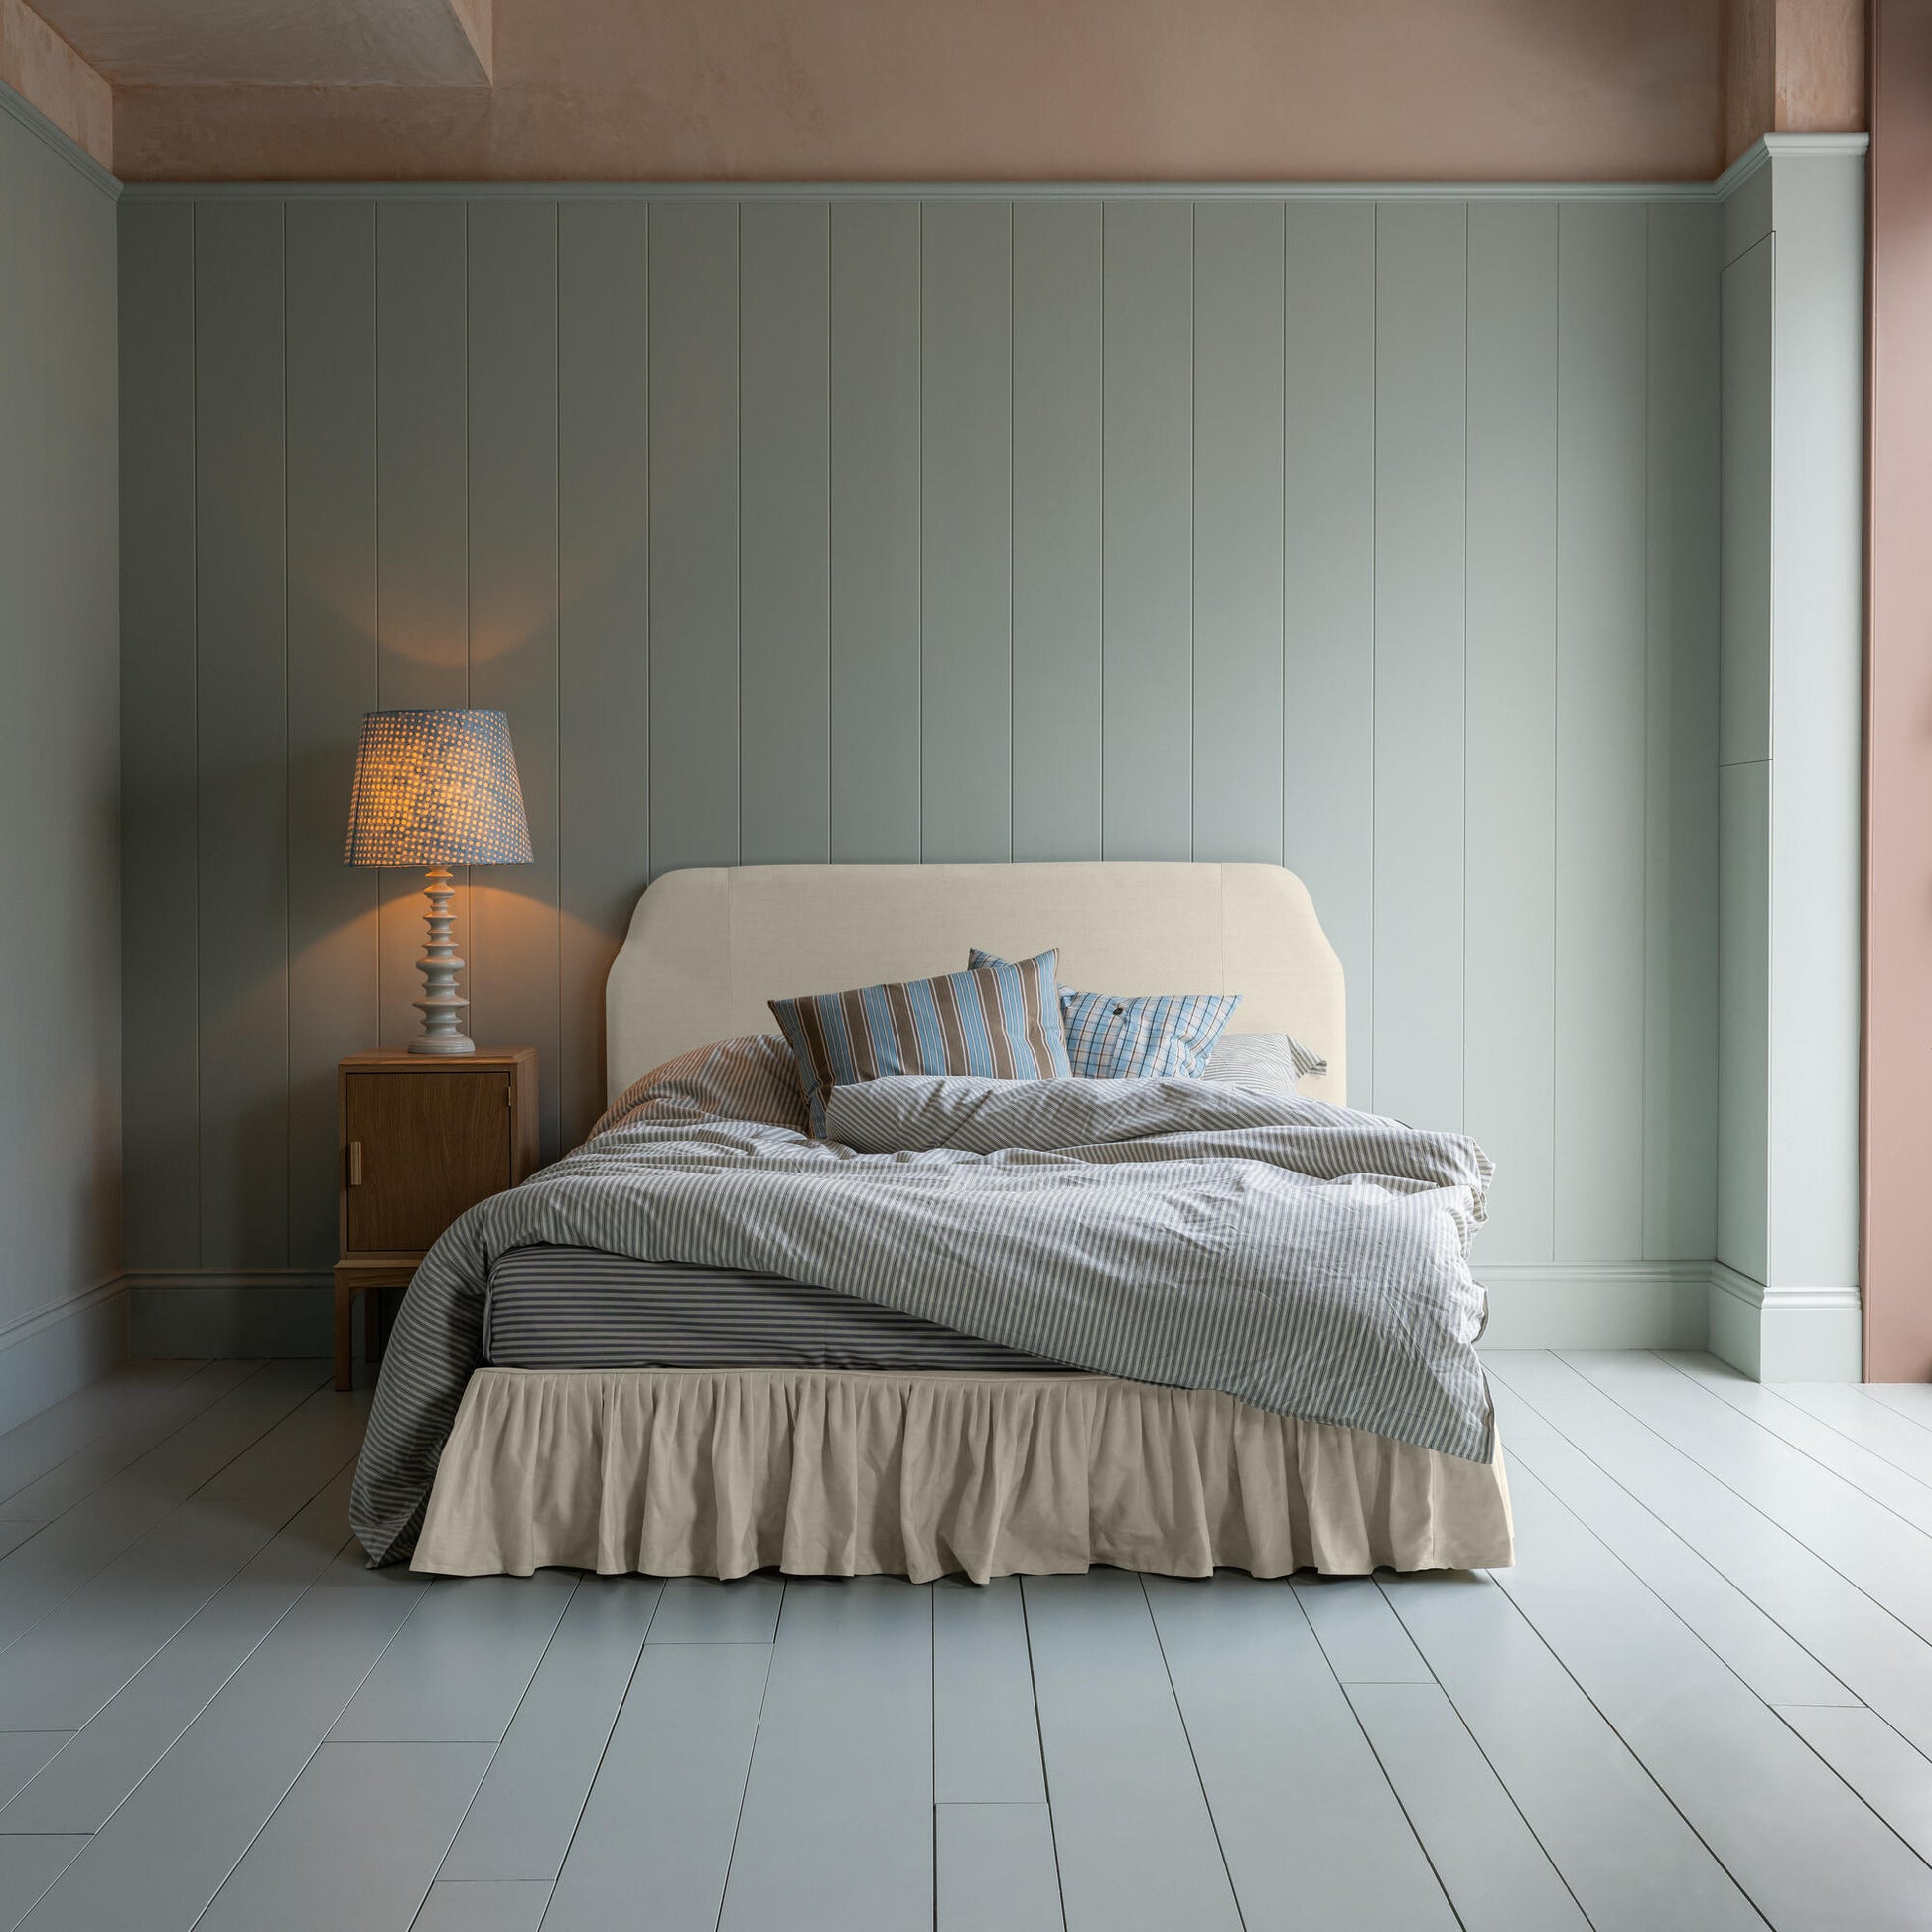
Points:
[[421, 1138]]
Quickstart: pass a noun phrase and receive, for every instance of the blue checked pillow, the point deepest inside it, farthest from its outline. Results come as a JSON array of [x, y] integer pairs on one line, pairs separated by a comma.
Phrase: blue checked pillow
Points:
[[997, 1020], [1160, 1036]]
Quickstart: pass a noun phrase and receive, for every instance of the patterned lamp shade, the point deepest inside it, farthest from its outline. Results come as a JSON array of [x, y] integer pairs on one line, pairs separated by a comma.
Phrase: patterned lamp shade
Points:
[[436, 788]]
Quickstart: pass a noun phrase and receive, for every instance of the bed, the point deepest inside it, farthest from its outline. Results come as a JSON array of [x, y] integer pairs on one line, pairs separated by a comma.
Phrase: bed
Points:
[[640, 1401]]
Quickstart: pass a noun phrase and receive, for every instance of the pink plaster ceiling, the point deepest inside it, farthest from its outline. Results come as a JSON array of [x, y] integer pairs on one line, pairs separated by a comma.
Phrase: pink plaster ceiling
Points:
[[277, 43]]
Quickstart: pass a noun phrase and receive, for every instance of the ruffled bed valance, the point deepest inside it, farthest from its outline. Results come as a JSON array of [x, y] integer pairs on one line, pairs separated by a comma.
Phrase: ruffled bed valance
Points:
[[716, 1472]]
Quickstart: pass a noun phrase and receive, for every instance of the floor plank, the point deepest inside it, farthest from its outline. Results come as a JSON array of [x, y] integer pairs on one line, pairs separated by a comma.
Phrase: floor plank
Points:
[[1364, 1642], [169, 1849], [520, 1826], [1310, 1830], [664, 1812], [356, 1841], [116, 1402], [460, 1666], [22, 1754], [1870, 1653], [984, 1731], [837, 1829], [1904, 1495], [41, 1574], [1137, 1845], [1864, 1542], [1772, 1661], [81, 1786], [1857, 1415], [29, 1864], [1486, 1857], [1877, 1763], [1912, 1399], [1800, 1844], [1622, 1848], [697, 1609], [995, 1870], [482, 1906]]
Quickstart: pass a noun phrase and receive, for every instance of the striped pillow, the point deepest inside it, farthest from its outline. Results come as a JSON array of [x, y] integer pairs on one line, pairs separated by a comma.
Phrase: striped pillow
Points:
[[998, 1021], [1160, 1036]]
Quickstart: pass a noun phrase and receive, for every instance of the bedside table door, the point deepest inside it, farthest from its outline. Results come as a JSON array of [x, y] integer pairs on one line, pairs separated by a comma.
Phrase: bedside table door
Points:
[[430, 1147]]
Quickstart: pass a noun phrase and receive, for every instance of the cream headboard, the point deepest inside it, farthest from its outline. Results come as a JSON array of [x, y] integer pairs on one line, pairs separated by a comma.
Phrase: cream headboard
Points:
[[708, 947]]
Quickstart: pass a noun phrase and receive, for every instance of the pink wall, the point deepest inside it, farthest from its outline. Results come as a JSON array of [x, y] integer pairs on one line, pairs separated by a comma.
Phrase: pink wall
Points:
[[1001, 90], [1897, 1258]]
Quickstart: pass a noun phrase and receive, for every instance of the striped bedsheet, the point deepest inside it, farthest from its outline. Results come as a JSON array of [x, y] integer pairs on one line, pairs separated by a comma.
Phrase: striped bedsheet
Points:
[[578, 1308]]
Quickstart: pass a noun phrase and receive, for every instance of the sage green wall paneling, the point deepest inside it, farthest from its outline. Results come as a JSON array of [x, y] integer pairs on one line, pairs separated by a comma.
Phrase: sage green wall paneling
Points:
[[1328, 592], [1744, 729], [1743, 1016], [1601, 640], [335, 1003], [159, 853], [514, 374], [1681, 839], [422, 495], [602, 618], [875, 531], [966, 532], [1147, 531], [784, 441], [1510, 728], [240, 732], [60, 718], [1421, 463], [1056, 510], [1239, 370], [694, 680]]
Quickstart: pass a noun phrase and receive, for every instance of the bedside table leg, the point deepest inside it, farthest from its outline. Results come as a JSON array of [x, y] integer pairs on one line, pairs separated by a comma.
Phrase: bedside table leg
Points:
[[344, 1336]]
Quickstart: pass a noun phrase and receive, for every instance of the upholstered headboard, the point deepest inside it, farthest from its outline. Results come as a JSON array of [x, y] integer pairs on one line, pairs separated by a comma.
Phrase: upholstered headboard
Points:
[[708, 947]]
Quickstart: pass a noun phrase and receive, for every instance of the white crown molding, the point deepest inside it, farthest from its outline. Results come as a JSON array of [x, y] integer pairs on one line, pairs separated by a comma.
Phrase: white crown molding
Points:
[[1770, 147]]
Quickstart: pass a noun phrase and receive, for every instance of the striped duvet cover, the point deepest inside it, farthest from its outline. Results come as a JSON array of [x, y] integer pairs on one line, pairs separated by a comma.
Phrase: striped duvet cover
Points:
[[1298, 1256]]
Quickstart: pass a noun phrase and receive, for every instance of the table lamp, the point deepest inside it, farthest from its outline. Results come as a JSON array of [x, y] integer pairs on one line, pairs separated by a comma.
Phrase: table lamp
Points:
[[437, 788]]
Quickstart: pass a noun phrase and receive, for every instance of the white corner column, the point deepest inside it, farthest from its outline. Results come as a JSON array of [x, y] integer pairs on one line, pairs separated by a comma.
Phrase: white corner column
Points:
[[1784, 1292]]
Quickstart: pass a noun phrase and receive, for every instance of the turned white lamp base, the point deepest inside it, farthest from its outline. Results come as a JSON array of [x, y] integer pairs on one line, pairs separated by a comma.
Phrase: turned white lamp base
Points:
[[441, 1006]]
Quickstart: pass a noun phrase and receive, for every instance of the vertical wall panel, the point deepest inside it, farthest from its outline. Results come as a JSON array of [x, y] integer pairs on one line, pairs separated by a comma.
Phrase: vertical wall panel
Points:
[[422, 401], [1146, 668], [784, 265], [334, 980], [241, 722], [1681, 835], [159, 850], [512, 296], [694, 683], [876, 531], [1510, 727], [966, 532], [1420, 474], [1600, 720], [1056, 443], [1328, 593], [1239, 370], [603, 619]]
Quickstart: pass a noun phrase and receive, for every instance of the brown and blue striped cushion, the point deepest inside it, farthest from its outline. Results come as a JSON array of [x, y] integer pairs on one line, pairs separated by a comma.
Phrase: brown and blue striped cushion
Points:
[[1001, 1022]]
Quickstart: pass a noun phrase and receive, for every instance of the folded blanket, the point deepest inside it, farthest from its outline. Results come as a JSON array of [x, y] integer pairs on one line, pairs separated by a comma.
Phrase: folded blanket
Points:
[[1298, 1256]]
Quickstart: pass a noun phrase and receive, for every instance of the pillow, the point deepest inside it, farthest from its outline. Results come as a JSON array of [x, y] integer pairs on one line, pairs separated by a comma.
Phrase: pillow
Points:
[[998, 1020], [731, 1079], [1272, 1060], [1158, 1035]]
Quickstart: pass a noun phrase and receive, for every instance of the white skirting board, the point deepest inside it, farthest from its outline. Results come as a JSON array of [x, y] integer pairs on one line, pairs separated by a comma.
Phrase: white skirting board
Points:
[[1785, 1335], [56, 1350], [1596, 1303]]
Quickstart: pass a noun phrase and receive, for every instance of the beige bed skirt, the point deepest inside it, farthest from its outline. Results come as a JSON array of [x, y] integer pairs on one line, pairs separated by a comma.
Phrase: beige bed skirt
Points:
[[716, 1472]]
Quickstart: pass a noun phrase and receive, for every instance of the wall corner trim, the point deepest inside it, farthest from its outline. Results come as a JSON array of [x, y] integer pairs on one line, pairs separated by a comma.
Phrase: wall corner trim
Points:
[[69, 150], [1769, 147]]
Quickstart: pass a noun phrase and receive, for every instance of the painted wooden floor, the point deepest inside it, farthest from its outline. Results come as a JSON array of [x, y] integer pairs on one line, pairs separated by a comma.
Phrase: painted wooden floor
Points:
[[1703, 1700]]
